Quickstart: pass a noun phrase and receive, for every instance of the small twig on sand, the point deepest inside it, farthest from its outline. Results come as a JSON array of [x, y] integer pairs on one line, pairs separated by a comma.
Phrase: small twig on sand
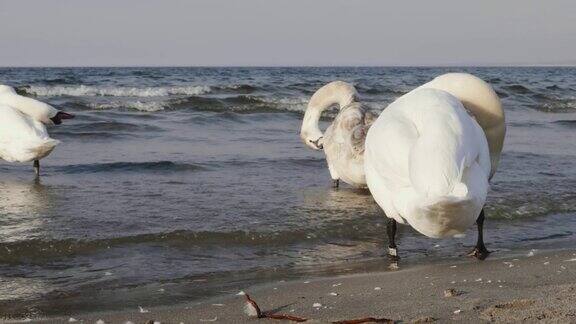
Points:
[[366, 320], [252, 309]]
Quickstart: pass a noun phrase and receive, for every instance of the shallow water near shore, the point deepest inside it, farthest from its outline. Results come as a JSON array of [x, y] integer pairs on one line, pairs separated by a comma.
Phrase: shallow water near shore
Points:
[[178, 184]]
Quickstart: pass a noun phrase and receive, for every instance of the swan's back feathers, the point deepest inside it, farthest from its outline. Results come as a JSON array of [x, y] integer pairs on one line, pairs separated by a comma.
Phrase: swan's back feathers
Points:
[[22, 139], [480, 99], [446, 145], [429, 157], [33, 108]]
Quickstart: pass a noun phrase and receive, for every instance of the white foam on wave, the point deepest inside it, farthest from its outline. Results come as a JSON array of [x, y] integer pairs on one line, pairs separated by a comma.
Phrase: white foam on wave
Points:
[[93, 91], [290, 104], [147, 106], [563, 104], [299, 104]]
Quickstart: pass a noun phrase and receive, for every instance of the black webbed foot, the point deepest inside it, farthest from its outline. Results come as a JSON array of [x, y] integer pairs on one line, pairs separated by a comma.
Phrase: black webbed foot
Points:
[[393, 254], [479, 252]]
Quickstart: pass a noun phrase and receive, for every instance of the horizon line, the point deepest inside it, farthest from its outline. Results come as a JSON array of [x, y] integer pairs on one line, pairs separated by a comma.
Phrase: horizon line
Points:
[[292, 66]]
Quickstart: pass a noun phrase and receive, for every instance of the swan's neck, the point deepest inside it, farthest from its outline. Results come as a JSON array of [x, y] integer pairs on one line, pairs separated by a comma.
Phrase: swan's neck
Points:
[[310, 128], [335, 93], [482, 102]]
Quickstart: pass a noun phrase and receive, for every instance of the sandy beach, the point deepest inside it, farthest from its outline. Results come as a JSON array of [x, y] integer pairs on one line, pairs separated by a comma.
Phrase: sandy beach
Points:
[[537, 286]]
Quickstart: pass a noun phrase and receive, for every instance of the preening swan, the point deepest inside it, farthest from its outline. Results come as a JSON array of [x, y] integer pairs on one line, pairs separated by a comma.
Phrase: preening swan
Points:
[[23, 134], [343, 141], [430, 155]]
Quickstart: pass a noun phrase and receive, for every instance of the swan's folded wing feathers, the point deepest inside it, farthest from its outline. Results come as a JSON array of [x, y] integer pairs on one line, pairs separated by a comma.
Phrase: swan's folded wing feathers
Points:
[[391, 140]]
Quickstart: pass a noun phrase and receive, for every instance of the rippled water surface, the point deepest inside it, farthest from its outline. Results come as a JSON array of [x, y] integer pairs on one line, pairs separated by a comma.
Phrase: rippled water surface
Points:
[[177, 184]]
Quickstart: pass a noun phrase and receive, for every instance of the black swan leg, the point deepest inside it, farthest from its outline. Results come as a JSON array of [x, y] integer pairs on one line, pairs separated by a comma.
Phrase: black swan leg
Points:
[[480, 252], [37, 167], [392, 249]]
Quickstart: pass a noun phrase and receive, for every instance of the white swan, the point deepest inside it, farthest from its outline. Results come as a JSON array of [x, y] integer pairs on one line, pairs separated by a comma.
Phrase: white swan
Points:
[[430, 155], [23, 134], [343, 141]]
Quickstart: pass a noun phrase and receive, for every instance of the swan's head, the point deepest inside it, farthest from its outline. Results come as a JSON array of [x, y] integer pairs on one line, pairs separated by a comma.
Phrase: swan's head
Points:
[[33, 108], [310, 133], [312, 139], [60, 115]]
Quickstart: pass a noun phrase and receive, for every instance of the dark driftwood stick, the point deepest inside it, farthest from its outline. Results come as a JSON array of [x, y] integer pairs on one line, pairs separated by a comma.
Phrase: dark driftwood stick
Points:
[[261, 314]]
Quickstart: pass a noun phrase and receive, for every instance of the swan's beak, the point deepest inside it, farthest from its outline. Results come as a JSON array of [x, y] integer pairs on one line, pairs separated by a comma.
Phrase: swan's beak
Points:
[[57, 120], [317, 144]]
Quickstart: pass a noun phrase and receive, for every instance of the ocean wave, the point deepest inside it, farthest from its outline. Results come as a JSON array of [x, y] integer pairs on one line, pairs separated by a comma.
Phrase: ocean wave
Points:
[[554, 87], [72, 90], [567, 123], [379, 90], [39, 249], [517, 88], [110, 126], [238, 104], [105, 91], [103, 130], [156, 166], [559, 105], [170, 166], [236, 88], [146, 106], [247, 103]]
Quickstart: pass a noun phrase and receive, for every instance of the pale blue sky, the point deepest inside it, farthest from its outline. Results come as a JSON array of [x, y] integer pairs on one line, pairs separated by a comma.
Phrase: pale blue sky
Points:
[[286, 32]]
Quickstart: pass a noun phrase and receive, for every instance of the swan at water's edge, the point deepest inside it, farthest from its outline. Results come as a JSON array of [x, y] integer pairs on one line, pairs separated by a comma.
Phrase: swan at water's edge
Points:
[[23, 134], [343, 141], [430, 155]]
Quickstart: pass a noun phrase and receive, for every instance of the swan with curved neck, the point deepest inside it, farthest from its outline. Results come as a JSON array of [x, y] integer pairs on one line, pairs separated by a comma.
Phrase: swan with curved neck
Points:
[[343, 140], [430, 155], [23, 134]]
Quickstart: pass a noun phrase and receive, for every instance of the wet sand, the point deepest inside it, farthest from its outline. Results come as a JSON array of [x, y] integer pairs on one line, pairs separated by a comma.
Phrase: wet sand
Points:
[[537, 286]]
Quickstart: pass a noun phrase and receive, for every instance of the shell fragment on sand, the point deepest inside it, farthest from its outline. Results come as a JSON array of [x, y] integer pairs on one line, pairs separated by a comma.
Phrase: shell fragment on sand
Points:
[[143, 310], [451, 292]]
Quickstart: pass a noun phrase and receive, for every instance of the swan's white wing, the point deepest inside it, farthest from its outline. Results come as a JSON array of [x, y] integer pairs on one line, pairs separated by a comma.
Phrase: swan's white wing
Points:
[[427, 163], [22, 138], [388, 145]]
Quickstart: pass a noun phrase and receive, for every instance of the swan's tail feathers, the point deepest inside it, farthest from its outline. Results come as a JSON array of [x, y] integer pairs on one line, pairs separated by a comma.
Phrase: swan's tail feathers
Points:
[[28, 151], [453, 213], [447, 216], [45, 148]]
